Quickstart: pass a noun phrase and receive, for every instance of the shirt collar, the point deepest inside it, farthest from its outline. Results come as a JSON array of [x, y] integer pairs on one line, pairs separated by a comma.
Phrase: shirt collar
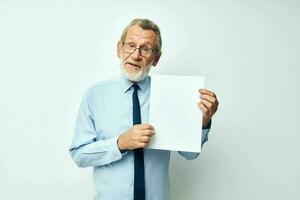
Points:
[[126, 84]]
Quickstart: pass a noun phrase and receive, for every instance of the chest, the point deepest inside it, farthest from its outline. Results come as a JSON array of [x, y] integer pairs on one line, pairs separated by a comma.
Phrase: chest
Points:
[[113, 113]]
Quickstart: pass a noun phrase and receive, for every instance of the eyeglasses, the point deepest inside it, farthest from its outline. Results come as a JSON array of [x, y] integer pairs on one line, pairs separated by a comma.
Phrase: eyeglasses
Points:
[[144, 51]]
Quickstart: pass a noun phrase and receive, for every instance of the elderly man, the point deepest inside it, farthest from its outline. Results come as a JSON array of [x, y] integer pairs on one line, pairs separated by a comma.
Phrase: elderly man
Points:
[[112, 130]]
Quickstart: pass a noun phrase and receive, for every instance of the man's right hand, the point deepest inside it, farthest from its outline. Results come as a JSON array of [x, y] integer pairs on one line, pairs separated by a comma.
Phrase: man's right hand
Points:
[[136, 137]]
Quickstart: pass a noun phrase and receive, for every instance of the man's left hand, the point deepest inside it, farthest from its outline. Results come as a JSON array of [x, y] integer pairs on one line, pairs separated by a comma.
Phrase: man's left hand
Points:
[[208, 104]]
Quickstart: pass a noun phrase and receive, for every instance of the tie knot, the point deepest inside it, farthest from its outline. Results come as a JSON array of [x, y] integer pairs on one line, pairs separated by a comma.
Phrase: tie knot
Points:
[[135, 87]]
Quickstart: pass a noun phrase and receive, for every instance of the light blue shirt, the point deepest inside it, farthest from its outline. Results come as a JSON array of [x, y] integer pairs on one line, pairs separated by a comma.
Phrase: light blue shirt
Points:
[[104, 114]]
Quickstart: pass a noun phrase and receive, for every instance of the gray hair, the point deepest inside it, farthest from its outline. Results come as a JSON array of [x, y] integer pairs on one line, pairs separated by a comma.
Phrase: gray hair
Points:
[[145, 24]]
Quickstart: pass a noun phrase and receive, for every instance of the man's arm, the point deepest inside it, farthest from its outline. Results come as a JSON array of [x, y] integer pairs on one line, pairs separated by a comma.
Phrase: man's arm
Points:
[[85, 149], [209, 106], [204, 138]]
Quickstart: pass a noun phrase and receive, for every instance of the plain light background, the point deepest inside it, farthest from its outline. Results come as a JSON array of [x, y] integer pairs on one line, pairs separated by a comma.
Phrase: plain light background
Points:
[[52, 51]]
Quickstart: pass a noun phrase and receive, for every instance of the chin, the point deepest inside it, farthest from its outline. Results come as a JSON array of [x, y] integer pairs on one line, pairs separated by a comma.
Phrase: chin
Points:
[[134, 74], [132, 70], [136, 77]]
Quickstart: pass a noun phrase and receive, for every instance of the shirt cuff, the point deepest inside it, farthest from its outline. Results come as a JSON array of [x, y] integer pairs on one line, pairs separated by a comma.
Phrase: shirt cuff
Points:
[[208, 125], [205, 132], [123, 152]]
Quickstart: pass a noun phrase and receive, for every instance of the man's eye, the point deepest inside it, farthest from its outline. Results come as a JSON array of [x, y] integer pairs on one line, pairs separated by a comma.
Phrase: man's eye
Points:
[[145, 49], [131, 45]]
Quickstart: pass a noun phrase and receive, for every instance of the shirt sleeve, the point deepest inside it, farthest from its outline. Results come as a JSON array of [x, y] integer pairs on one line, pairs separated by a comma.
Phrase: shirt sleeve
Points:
[[85, 149], [204, 138]]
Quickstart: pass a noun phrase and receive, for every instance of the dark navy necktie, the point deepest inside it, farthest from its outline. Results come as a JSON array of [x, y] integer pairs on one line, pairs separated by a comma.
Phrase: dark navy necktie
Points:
[[139, 174]]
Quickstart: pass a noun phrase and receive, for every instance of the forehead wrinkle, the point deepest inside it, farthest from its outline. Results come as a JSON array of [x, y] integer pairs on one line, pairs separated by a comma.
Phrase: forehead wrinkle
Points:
[[141, 34], [140, 37]]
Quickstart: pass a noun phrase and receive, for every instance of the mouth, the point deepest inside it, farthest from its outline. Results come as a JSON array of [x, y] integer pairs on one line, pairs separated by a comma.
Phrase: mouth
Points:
[[133, 66]]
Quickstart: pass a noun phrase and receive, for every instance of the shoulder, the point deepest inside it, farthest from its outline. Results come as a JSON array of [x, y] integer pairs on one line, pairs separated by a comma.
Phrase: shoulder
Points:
[[102, 85]]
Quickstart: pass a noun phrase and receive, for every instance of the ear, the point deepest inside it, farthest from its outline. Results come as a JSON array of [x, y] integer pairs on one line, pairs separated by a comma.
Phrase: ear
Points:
[[119, 49], [156, 59]]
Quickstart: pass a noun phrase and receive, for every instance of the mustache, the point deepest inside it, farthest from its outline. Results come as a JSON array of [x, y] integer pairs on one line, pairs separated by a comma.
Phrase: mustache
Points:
[[134, 64]]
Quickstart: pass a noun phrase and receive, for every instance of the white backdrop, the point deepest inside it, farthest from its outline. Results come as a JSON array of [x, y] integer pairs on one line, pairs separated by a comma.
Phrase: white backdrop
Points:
[[52, 51]]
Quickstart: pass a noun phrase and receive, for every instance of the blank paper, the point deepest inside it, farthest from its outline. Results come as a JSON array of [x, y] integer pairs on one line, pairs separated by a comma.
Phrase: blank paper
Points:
[[174, 112]]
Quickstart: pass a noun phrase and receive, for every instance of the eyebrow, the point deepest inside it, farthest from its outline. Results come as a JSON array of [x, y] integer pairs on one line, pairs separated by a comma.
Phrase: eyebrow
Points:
[[143, 44], [132, 38]]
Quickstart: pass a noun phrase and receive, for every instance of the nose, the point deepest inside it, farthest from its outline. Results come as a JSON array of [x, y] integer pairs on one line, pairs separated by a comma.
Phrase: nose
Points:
[[136, 55]]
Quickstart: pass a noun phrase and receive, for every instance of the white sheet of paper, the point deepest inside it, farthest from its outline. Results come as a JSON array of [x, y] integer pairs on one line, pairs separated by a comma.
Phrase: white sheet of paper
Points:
[[174, 112]]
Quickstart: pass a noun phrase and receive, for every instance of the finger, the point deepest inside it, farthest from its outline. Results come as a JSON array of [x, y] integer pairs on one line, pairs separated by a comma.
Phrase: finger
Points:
[[205, 91], [145, 139], [207, 104], [145, 126], [204, 109], [142, 145], [147, 133], [209, 98]]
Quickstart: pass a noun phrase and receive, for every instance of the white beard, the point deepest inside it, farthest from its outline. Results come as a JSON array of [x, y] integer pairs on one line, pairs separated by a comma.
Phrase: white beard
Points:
[[134, 76]]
